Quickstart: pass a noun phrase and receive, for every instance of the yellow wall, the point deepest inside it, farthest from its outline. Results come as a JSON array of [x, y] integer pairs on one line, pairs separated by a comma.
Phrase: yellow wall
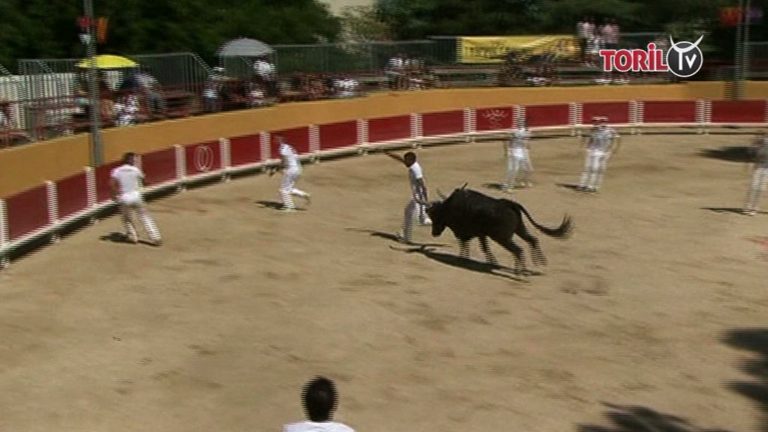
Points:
[[28, 166], [32, 164]]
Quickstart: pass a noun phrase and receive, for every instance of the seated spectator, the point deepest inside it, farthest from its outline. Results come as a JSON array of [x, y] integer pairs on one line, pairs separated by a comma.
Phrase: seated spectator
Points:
[[256, 95], [5, 124], [395, 71], [126, 110], [346, 87], [152, 92], [320, 401], [267, 74], [212, 90]]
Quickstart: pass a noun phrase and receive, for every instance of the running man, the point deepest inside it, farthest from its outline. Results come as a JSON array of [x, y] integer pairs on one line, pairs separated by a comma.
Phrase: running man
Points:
[[759, 174], [292, 172], [418, 194], [125, 182], [601, 143], [519, 167]]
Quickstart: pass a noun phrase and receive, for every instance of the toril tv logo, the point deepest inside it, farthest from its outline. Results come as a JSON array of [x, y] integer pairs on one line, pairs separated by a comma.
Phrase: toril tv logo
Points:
[[683, 59]]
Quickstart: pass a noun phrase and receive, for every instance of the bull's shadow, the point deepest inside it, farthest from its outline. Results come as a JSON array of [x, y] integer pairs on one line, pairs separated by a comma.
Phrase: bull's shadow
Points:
[[736, 210], [730, 153], [393, 237], [628, 418], [467, 263], [428, 250], [754, 340]]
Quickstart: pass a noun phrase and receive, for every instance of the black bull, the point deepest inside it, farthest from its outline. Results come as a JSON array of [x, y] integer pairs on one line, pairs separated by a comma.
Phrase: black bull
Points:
[[471, 214]]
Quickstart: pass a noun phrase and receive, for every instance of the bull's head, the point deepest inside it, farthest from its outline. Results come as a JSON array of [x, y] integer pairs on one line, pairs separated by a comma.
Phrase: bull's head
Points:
[[438, 212]]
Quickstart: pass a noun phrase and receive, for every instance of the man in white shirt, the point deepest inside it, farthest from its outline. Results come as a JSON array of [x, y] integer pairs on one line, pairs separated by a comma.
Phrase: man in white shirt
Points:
[[125, 182], [267, 74], [320, 400], [759, 174], [519, 167], [600, 144], [414, 207], [291, 173]]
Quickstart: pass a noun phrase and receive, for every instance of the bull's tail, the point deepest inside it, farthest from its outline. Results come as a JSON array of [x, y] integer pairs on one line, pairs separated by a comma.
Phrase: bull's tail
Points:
[[563, 231]]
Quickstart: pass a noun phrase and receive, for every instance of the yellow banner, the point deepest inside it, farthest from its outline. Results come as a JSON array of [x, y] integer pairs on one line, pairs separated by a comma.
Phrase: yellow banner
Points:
[[492, 49]]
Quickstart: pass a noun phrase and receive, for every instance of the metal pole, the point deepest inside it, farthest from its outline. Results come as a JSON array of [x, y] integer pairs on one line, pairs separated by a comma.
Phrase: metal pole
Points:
[[93, 89], [737, 61], [745, 47]]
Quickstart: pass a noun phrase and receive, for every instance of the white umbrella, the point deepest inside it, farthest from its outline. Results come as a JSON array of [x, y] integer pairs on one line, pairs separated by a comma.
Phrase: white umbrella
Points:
[[244, 47]]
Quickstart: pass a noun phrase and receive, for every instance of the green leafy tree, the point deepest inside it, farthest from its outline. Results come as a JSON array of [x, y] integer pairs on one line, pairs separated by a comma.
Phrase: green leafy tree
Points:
[[363, 24], [31, 30]]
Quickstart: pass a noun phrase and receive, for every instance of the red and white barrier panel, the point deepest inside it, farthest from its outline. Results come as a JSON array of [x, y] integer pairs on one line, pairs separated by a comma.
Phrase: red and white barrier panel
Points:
[[245, 151], [494, 119], [203, 160], [44, 209], [743, 112], [337, 138], [444, 123], [618, 113]]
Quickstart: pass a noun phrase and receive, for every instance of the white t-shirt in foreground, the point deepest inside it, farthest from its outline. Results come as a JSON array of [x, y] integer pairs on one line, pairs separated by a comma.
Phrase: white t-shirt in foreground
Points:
[[415, 173], [290, 157], [128, 178], [308, 426]]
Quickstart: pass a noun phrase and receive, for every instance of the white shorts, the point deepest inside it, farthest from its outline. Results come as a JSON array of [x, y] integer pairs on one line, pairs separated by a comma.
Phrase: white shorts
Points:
[[130, 198]]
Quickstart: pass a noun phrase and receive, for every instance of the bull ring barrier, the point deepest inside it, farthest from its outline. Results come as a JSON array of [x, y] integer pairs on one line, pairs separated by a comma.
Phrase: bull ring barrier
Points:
[[45, 211]]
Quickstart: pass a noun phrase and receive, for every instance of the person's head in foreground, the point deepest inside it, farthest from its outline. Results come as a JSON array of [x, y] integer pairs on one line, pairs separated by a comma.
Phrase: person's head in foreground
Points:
[[320, 399]]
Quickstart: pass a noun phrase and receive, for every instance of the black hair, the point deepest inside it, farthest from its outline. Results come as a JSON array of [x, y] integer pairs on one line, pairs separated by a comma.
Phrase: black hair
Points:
[[320, 399], [128, 157]]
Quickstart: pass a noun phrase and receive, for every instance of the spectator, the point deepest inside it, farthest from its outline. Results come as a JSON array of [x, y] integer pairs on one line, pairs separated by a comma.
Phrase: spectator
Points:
[[256, 96], [581, 33], [610, 33], [594, 45], [320, 401], [395, 71], [346, 87], [148, 88], [126, 110], [5, 124], [213, 89], [267, 74], [590, 31]]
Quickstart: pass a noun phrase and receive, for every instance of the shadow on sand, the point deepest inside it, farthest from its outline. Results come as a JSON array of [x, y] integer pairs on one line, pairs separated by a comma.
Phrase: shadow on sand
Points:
[[274, 205], [730, 154], [754, 340], [428, 250], [627, 418], [739, 211], [116, 237]]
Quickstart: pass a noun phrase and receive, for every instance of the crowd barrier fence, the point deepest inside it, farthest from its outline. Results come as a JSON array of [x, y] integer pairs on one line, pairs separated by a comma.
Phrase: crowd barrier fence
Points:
[[42, 212]]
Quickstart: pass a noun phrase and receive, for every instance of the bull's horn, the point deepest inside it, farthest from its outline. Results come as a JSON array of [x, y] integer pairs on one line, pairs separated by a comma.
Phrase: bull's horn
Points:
[[465, 185], [442, 195]]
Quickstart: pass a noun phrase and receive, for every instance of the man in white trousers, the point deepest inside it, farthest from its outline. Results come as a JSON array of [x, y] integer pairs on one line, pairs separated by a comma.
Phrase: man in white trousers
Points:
[[418, 195], [601, 143], [759, 174], [519, 167], [126, 182], [291, 174]]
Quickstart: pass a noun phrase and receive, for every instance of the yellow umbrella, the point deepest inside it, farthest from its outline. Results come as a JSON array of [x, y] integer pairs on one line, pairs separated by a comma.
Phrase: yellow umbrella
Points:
[[108, 61]]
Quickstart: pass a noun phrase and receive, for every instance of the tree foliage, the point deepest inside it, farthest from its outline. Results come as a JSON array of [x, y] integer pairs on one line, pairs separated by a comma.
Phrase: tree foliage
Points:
[[414, 19], [38, 29], [362, 24]]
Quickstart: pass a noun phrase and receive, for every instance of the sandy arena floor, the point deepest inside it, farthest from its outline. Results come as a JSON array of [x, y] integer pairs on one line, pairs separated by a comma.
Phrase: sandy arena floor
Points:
[[651, 317]]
